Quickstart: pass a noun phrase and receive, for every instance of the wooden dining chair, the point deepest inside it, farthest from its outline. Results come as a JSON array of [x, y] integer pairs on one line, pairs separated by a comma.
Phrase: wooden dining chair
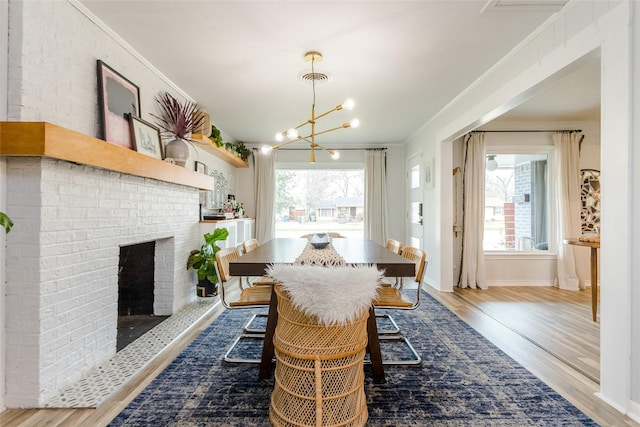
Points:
[[396, 247], [248, 246], [390, 297], [250, 297]]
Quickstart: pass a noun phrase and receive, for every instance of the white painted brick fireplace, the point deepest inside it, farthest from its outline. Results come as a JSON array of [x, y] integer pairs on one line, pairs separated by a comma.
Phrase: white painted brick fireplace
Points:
[[62, 265]]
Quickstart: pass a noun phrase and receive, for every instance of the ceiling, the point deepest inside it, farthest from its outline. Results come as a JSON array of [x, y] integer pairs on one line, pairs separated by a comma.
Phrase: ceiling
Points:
[[401, 61]]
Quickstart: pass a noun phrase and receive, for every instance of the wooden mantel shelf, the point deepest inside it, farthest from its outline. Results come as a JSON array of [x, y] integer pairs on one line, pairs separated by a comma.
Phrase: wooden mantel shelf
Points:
[[42, 139]]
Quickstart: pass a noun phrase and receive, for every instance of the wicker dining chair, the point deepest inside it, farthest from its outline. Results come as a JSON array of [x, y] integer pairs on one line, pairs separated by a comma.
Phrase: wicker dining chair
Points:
[[319, 375], [320, 353], [390, 297], [250, 297]]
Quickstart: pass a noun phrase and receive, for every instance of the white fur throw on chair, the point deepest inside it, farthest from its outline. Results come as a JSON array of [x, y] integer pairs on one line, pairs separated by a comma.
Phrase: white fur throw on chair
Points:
[[335, 295]]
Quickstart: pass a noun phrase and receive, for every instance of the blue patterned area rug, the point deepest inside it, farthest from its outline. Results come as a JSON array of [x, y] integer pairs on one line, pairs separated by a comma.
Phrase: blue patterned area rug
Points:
[[464, 380]]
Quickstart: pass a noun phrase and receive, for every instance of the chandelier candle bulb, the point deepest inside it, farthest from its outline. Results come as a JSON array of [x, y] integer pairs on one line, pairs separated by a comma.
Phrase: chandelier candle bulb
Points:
[[292, 133], [348, 104]]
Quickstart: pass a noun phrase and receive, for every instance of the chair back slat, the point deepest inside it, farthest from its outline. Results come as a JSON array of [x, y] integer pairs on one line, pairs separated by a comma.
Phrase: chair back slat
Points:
[[249, 245], [223, 258], [419, 257], [394, 246]]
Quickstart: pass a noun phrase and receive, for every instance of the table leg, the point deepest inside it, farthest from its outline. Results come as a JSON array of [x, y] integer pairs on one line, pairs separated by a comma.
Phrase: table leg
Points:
[[267, 347], [594, 283], [373, 345]]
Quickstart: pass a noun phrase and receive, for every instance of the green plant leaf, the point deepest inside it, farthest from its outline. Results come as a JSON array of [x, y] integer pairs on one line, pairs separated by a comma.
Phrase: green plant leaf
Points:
[[6, 222], [217, 235], [203, 260]]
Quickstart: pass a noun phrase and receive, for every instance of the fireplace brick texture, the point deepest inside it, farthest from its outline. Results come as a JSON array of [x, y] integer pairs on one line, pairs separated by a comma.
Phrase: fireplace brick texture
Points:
[[62, 265]]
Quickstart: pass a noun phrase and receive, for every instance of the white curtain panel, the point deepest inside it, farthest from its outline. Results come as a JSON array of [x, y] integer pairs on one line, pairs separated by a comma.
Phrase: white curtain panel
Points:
[[265, 185], [567, 157], [375, 196], [472, 274]]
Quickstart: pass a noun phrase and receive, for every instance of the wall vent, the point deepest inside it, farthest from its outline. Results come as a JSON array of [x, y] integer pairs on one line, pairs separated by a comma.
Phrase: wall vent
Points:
[[523, 6]]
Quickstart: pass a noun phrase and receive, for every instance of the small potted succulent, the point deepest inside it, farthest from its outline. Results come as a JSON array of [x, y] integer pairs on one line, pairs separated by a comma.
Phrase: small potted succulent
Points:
[[204, 262]]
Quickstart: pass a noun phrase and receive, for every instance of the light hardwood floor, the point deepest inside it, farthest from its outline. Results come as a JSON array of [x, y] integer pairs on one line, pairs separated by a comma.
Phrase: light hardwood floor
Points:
[[531, 307]]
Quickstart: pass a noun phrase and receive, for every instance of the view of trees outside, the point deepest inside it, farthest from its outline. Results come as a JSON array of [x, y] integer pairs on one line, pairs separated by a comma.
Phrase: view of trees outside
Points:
[[318, 201], [499, 189]]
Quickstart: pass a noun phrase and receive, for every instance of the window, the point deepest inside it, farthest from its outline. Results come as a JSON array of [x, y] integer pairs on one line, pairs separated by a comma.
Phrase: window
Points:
[[318, 201], [517, 202]]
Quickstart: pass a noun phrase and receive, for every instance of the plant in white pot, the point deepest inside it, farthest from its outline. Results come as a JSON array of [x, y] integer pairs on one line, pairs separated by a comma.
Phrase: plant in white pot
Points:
[[178, 120]]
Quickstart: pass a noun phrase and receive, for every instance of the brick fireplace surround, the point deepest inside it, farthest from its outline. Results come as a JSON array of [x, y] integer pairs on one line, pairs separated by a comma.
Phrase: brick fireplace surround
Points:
[[62, 265]]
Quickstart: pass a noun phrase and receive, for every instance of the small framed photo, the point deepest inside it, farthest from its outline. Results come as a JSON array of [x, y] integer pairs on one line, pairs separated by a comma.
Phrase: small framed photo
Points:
[[201, 167], [429, 171], [145, 137], [117, 97]]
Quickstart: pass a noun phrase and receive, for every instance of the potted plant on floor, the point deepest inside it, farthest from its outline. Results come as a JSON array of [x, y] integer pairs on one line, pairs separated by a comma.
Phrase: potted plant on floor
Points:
[[204, 261]]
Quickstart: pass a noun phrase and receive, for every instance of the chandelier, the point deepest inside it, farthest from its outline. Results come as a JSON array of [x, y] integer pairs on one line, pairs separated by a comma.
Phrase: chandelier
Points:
[[293, 134]]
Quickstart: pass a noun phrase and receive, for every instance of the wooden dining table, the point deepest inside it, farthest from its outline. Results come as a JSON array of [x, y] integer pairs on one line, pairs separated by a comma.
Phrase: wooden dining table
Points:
[[354, 251]]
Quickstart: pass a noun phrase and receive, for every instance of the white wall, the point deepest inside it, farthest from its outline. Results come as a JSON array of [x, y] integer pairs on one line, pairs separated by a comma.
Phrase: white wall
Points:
[[4, 58], [52, 78], [62, 265], [634, 232], [579, 33]]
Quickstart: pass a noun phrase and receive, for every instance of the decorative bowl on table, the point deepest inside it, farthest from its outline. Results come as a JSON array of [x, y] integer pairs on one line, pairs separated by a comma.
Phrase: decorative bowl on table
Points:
[[320, 240]]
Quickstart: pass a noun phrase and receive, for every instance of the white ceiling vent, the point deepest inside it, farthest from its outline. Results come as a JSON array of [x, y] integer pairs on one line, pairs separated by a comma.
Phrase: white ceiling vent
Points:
[[523, 6], [317, 77]]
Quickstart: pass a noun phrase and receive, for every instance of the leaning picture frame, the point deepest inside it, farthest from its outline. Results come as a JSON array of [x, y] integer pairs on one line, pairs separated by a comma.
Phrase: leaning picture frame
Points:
[[145, 137], [117, 97]]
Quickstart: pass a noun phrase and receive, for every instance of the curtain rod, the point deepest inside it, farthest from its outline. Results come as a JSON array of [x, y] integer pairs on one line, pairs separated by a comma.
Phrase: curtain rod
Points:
[[536, 130], [332, 148]]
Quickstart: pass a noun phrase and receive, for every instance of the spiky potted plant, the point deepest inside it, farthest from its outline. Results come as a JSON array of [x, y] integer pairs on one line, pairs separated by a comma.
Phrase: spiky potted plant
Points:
[[204, 261], [178, 120]]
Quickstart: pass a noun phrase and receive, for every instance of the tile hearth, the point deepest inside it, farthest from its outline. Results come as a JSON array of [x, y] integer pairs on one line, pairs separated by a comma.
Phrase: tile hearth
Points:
[[101, 381]]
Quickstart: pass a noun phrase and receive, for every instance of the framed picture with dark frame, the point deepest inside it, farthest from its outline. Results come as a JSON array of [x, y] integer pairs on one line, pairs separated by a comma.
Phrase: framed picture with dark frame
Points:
[[201, 167], [145, 137], [117, 97]]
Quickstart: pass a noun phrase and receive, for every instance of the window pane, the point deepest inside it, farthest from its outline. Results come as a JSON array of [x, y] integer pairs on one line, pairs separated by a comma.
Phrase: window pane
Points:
[[318, 201], [516, 202], [415, 176], [415, 212]]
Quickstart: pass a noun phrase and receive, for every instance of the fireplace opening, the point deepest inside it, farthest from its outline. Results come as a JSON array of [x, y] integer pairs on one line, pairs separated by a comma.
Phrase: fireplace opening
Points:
[[136, 281]]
